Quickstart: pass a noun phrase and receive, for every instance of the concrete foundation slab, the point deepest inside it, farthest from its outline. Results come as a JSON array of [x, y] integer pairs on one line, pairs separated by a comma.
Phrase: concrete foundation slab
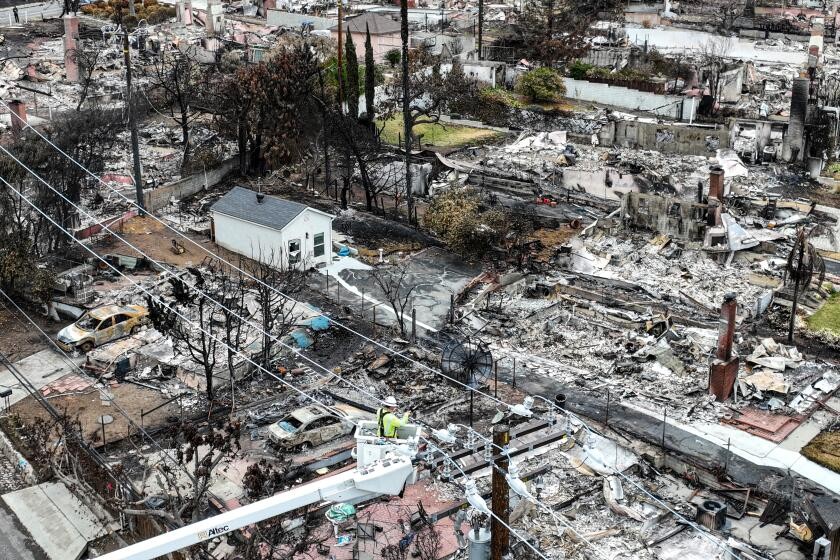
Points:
[[60, 524], [14, 542], [40, 369]]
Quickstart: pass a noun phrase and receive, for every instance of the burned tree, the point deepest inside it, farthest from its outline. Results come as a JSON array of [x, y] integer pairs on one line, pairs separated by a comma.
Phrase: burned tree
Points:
[[194, 322], [417, 94], [804, 266], [713, 55], [359, 150], [277, 278], [177, 491], [86, 55], [269, 106], [554, 31], [175, 79], [405, 105], [87, 136], [234, 312], [397, 286]]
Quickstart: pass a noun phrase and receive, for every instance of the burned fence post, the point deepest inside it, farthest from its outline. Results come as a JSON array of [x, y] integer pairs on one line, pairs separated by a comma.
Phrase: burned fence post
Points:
[[728, 454], [513, 374], [451, 308], [664, 424], [496, 379], [413, 325], [607, 416]]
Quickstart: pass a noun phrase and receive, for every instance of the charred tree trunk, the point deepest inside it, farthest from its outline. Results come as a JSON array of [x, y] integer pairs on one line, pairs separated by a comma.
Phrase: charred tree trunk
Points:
[[242, 145]]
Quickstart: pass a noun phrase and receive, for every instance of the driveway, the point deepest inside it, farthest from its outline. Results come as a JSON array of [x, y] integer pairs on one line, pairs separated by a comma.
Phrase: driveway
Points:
[[435, 274]]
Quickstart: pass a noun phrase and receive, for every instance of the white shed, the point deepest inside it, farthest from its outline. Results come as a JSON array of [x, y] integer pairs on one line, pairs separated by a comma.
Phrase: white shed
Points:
[[272, 230]]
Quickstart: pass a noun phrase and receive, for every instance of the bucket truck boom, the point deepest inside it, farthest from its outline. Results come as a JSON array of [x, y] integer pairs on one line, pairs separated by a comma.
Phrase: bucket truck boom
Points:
[[384, 467]]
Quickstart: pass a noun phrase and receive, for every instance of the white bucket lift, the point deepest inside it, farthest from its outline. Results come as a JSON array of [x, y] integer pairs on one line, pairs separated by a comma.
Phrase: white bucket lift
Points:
[[371, 448], [384, 467]]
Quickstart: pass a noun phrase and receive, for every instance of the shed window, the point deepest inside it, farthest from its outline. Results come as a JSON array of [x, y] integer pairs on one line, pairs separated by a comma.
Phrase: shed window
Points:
[[294, 251], [319, 244]]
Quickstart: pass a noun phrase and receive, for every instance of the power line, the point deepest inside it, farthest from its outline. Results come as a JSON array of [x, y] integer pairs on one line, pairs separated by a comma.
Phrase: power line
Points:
[[117, 271], [36, 394], [102, 392], [294, 350], [559, 519], [251, 276], [493, 515]]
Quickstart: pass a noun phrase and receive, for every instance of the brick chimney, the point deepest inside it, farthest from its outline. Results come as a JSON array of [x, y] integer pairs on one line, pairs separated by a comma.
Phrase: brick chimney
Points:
[[18, 116], [71, 37], [716, 182], [724, 368]]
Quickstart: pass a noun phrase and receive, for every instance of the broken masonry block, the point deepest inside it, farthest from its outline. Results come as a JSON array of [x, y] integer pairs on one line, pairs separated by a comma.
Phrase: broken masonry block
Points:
[[722, 378]]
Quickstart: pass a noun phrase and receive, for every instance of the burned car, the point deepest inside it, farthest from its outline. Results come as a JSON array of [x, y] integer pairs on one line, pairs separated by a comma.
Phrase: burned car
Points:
[[101, 325], [308, 427]]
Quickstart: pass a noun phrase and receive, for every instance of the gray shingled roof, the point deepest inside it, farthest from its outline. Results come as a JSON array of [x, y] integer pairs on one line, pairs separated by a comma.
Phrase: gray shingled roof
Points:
[[378, 24], [272, 212]]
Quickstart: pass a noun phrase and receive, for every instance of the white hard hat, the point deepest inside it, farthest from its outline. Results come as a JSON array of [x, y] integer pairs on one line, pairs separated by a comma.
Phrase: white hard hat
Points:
[[390, 401]]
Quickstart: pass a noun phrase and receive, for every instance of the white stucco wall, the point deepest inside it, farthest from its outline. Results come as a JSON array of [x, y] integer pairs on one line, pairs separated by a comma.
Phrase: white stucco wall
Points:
[[672, 106], [265, 244]]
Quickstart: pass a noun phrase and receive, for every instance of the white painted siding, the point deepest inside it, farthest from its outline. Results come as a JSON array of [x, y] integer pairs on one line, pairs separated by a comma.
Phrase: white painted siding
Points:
[[263, 243], [305, 227]]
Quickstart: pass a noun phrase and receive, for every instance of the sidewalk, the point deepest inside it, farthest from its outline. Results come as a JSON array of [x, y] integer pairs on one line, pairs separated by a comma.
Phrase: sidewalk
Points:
[[750, 460], [759, 451]]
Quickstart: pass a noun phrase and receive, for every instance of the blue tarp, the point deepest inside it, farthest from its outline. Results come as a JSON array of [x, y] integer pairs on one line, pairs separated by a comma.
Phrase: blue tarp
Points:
[[302, 339], [319, 323], [344, 251]]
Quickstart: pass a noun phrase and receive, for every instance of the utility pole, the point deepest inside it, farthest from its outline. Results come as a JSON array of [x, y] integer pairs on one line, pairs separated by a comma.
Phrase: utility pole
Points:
[[340, 74], [406, 107], [132, 124], [480, 28], [499, 534]]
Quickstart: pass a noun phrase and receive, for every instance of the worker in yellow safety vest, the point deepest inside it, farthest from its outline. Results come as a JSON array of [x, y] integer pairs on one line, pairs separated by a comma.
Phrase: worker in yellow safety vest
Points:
[[387, 419]]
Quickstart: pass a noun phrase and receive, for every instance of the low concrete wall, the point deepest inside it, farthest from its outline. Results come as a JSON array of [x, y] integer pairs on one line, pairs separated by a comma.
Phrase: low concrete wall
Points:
[[17, 460], [279, 18], [666, 138], [111, 223], [161, 197], [673, 106]]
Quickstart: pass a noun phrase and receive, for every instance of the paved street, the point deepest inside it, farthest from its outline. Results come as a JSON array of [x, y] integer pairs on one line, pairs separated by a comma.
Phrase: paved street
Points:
[[28, 12]]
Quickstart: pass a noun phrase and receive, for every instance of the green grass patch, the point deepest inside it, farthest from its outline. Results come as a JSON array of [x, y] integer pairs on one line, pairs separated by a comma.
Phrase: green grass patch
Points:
[[443, 136], [827, 317], [833, 170]]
